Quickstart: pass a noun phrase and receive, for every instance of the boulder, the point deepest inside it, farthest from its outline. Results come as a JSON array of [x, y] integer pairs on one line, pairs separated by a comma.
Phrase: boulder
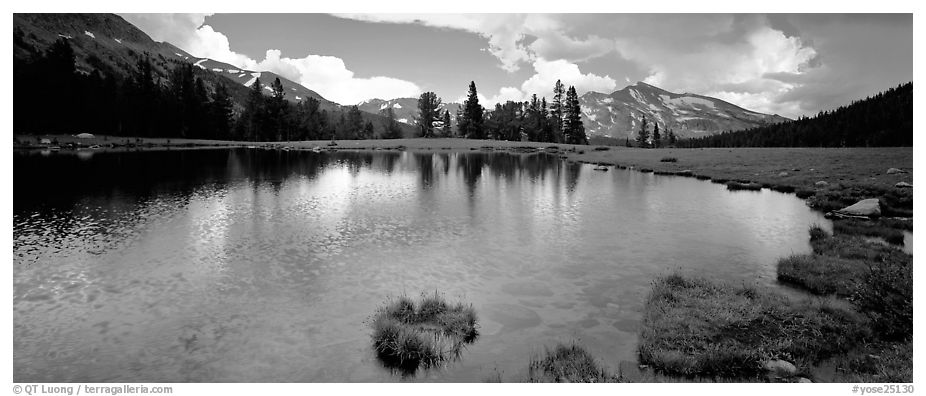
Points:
[[865, 208], [780, 368], [782, 174], [821, 183], [803, 380], [892, 171], [903, 185]]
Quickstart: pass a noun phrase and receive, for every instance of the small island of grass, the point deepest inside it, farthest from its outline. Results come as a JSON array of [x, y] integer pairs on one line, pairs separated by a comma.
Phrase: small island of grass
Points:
[[410, 334]]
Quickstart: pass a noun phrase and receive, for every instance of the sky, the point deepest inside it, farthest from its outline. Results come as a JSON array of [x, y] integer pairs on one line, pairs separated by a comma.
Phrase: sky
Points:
[[786, 64]]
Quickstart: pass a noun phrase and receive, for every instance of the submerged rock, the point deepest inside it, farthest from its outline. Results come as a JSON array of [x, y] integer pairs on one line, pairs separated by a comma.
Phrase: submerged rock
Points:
[[903, 185], [803, 380], [865, 208], [892, 171], [821, 183], [780, 368], [783, 174]]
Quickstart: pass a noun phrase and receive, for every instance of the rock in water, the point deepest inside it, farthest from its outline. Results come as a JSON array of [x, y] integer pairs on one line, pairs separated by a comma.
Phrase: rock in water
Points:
[[864, 208], [892, 171], [782, 174], [821, 183], [903, 185], [780, 368], [803, 380]]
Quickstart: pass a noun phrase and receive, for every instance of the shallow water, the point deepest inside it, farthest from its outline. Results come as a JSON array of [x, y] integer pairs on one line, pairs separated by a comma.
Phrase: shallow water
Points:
[[262, 266]]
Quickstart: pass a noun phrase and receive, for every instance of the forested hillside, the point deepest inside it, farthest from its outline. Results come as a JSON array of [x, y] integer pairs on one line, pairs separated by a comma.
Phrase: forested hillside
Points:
[[883, 120]]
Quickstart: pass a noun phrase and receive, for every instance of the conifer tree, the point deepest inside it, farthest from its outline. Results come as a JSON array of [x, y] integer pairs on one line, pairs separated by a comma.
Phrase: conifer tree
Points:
[[446, 129], [573, 128], [470, 119], [392, 128], [557, 110], [643, 134], [657, 139], [428, 113]]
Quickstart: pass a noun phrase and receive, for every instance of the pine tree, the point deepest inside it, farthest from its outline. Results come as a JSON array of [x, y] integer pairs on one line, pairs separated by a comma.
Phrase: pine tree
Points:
[[557, 110], [253, 115], [221, 113], [656, 137], [446, 129], [643, 134], [672, 138], [573, 128], [354, 128], [393, 130], [368, 130], [470, 119], [428, 114]]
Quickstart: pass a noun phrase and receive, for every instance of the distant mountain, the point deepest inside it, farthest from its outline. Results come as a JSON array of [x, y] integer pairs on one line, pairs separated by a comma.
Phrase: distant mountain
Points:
[[110, 44], [405, 109], [618, 115]]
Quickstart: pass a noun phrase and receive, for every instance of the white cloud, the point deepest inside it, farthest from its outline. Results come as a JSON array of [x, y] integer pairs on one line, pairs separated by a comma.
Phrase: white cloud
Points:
[[541, 83], [547, 72], [327, 75], [506, 34], [736, 71], [330, 77]]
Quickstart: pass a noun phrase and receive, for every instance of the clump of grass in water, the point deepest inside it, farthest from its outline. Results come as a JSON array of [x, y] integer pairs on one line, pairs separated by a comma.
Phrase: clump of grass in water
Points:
[[567, 363], [408, 335], [694, 327], [738, 185], [817, 233], [668, 159]]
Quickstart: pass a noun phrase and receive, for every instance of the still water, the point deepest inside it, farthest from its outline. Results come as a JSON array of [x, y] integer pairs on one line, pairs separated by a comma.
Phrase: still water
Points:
[[263, 266]]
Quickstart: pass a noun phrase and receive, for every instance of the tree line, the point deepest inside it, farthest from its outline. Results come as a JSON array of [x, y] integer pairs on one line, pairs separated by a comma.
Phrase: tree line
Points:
[[184, 104], [514, 121], [647, 140], [882, 120]]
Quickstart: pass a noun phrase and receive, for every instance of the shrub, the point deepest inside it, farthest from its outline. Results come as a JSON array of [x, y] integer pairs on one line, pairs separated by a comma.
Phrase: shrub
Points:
[[886, 295], [602, 148], [668, 159]]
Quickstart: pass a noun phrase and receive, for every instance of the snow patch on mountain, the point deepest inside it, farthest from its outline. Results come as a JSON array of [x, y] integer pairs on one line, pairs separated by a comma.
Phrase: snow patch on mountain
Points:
[[199, 63], [89, 34]]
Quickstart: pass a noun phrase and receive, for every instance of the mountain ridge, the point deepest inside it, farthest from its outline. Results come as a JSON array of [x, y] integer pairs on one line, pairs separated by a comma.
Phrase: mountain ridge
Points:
[[619, 114]]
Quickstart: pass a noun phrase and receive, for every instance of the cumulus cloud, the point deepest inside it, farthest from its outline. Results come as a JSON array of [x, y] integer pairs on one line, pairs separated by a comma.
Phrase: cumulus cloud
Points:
[[509, 35], [732, 57], [545, 75], [327, 75], [737, 65]]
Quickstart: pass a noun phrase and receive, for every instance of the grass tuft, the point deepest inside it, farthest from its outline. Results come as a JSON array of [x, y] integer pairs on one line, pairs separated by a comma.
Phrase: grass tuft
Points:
[[694, 327], [822, 275], [739, 185], [668, 159], [567, 363], [817, 233], [884, 230], [408, 334]]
